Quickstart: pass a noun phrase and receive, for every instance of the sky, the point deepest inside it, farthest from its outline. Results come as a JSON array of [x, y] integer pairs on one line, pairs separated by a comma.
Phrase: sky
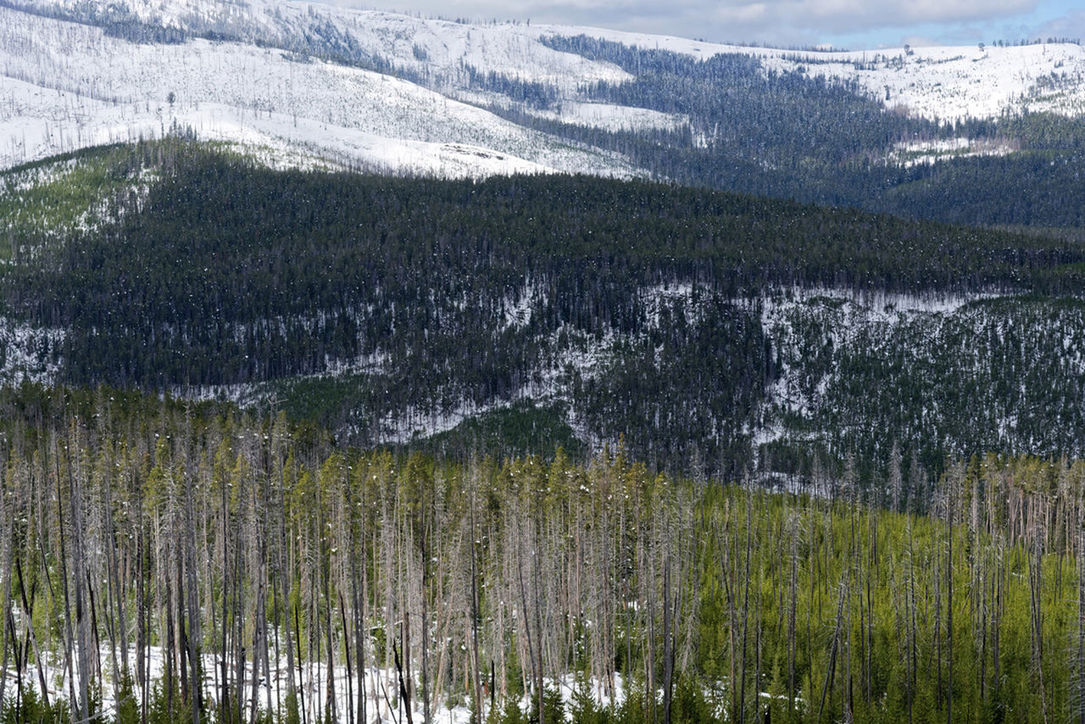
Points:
[[855, 24]]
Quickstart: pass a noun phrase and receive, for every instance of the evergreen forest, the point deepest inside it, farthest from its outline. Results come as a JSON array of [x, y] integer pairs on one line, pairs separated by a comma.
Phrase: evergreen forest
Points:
[[706, 328]]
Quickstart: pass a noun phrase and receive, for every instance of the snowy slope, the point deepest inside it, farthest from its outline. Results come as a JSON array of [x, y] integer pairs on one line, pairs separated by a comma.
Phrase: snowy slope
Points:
[[946, 83], [952, 83], [400, 93], [411, 43], [68, 85]]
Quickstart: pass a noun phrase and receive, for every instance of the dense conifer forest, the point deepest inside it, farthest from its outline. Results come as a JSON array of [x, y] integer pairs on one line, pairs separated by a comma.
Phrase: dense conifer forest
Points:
[[381, 306]]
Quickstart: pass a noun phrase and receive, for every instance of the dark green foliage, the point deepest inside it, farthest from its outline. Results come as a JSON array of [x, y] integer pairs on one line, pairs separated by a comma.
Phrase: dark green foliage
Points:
[[127, 703], [166, 707], [510, 713], [520, 430], [645, 390], [290, 707], [553, 710], [31, 710], [378, 306], [583, 708], [690, 703]]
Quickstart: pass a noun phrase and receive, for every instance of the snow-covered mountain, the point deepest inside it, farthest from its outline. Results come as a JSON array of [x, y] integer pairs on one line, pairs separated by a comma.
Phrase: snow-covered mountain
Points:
[[67, 85], [944, 83], [300, 82]]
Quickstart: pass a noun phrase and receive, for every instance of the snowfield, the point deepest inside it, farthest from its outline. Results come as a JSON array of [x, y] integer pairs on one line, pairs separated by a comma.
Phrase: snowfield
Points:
[[419, 108], [911, 153], [313, 681], [67, 86]]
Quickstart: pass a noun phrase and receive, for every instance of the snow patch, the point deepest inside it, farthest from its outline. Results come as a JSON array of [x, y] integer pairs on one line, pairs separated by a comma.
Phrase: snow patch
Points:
[[613, 118], [913, 153]]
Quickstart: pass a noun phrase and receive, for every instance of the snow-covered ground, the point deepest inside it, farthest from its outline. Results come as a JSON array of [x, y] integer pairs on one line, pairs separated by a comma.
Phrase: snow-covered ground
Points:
[[911, 153], [409, 42], [67, 85], [312, 682], [614, 118]]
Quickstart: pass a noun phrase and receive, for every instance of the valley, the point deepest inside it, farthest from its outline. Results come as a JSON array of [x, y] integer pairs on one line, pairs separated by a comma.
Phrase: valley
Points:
[[360, 366]]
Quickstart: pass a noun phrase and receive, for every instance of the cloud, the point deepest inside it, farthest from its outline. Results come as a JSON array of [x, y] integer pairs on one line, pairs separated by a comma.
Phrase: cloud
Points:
[[1069, 26], [775, 21]]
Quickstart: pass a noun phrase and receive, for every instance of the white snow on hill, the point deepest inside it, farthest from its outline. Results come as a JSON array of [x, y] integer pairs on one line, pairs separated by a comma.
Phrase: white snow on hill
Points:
[[952, 83], [946, 83], [612, 117], [66, 85]]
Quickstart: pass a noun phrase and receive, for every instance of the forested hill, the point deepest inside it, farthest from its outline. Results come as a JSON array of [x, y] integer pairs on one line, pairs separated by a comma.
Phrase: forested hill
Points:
[[710, 330], [805, 128]]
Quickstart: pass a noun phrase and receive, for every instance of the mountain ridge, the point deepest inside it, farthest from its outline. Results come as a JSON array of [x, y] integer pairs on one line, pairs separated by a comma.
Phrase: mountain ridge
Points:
[[446, 75]]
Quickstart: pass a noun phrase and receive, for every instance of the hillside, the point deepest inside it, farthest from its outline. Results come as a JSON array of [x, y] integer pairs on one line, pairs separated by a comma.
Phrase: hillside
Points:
[[304, 85], [947, 83], [709, 330]]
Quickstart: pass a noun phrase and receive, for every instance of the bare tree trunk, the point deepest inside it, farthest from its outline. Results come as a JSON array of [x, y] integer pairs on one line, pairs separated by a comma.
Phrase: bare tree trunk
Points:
[[1036, 590], [284, 590], [9, 630], [527, 631], [79, 712], [349, 678], [793, 531], [668, 642], [476, 688], [949, 603], [1079, 684], [834, 647], [745, 606], [404, 694]]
